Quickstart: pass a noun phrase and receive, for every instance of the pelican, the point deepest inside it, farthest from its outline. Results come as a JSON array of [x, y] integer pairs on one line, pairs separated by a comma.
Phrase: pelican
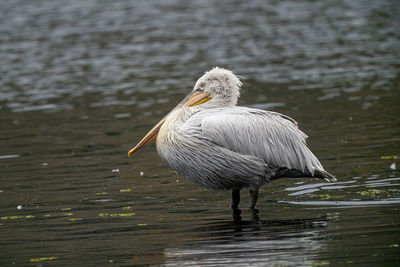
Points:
[[213, 142]]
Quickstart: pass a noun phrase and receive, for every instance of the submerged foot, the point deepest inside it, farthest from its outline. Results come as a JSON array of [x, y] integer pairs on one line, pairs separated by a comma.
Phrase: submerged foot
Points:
[[254, 215], [253, 210]]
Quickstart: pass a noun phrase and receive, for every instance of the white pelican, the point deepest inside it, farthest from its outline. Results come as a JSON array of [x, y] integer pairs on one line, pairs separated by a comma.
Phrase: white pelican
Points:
[[216, 144]]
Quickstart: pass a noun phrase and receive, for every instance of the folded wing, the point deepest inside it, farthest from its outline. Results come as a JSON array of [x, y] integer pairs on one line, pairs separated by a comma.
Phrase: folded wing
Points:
[[271, 136]]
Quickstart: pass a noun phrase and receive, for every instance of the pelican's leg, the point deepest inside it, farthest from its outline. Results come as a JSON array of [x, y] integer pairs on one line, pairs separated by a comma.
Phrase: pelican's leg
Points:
[[235, 205], [253, 200], [235, 199]]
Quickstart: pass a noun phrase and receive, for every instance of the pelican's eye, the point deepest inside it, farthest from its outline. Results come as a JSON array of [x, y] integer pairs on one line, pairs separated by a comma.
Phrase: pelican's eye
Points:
[[201, 87]]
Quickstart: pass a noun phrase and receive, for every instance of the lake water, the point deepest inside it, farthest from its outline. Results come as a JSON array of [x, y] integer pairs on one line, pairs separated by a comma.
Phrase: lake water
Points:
[[82, 81]]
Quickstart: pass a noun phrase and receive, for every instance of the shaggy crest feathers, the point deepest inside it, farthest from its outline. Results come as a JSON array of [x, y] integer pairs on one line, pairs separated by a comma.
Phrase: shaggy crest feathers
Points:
[[222, 84], [230, 77]]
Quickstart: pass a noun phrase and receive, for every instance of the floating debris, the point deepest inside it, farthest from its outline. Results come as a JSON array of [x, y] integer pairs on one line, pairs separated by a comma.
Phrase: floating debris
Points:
[[394, 245], [1, 191], [142, 224], [126, 208], [68, 214], [44, 164], [19, 207], [141, 173], [43, 259], [124, 190], [66, 209], [102, 193], [393, 166], [47, 215], [115, 170]]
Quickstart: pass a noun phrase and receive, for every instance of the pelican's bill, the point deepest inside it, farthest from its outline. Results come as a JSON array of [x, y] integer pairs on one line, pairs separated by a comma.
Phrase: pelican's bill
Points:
[[193, 99]]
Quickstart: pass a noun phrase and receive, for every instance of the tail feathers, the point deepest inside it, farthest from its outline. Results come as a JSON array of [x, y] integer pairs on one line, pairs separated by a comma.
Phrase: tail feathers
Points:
[[325, 175], [293, 173]]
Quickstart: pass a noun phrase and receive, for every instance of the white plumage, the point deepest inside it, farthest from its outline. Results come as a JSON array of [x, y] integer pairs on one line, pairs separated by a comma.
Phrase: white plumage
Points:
[[214, 143]]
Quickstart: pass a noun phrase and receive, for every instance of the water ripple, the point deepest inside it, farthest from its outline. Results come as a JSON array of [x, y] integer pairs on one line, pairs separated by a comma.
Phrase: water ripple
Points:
[[347, 203]]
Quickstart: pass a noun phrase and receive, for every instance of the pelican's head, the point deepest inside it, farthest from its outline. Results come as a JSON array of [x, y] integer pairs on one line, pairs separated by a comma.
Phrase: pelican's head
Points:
[[216, 88], [222, 87]]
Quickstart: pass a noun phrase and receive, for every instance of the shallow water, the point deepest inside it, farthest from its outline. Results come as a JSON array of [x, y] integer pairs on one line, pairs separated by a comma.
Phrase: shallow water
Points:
[[82, 81]]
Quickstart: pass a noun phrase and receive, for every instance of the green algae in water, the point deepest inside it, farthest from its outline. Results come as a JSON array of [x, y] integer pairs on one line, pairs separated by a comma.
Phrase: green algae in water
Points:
[[11, 217], [318, 263], [66, 209], [371, 192], [327, 196], [126, 214], [125, 190], [389, 157], [43, 259], [117, 214], [68, 214], [75, 219], [101, 193], [17, 217]]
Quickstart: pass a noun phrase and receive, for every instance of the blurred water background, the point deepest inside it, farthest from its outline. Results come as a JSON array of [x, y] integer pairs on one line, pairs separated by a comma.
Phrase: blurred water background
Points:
[[81, 81]]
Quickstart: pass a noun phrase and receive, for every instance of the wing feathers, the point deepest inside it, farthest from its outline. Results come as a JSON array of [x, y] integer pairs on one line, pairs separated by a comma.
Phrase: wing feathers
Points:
[[271, 136]]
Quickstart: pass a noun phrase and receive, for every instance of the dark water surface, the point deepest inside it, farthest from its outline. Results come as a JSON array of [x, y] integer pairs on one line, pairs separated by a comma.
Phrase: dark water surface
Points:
[[82, 81]]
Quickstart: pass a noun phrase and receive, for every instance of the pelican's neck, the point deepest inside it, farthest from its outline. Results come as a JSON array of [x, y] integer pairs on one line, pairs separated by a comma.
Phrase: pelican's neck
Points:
[[178, 117], [172, 124]]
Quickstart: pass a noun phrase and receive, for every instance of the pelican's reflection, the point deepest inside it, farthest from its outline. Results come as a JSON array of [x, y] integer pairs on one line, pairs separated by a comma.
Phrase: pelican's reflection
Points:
[[237, 217], [255, 242]]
